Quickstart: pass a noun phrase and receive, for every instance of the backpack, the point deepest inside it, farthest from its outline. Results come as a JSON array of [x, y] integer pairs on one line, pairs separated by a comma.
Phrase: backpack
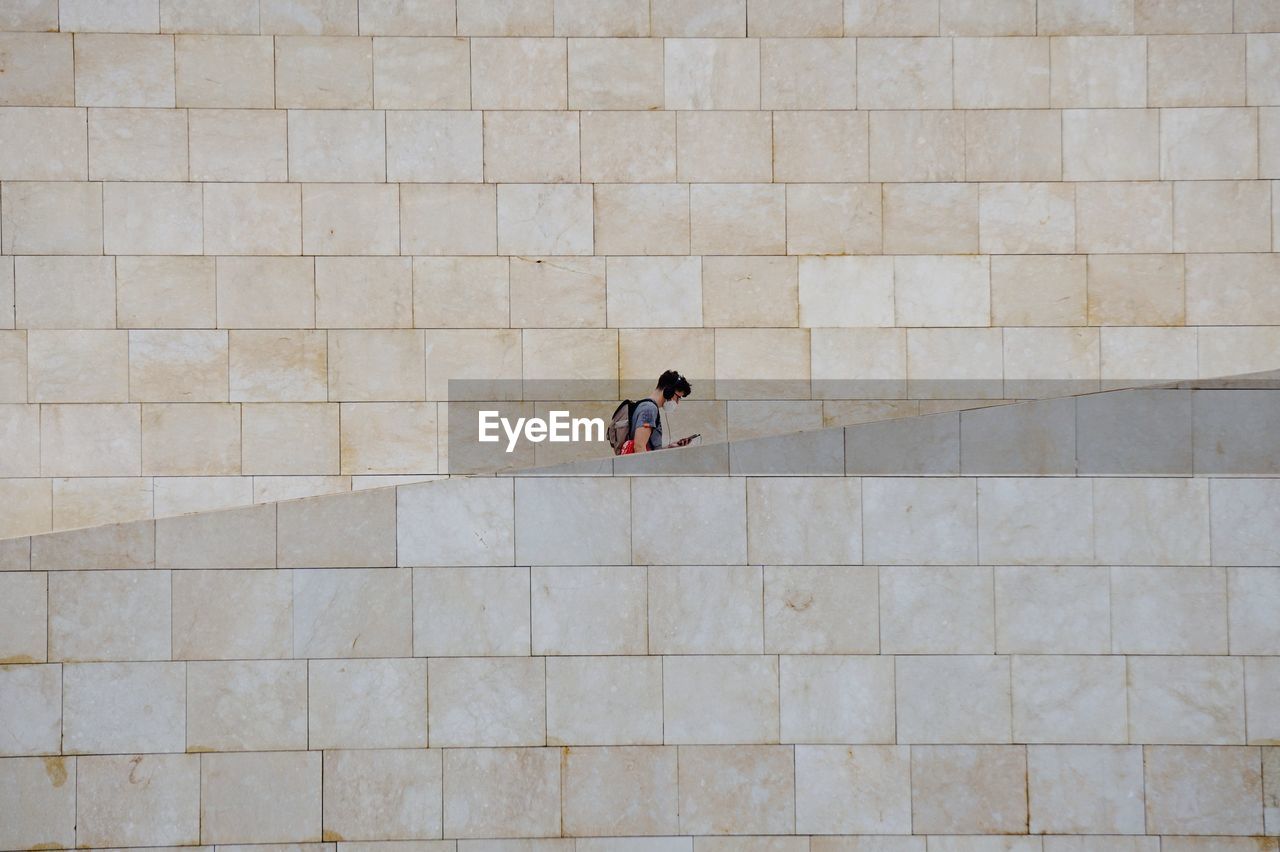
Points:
[[618, 432]]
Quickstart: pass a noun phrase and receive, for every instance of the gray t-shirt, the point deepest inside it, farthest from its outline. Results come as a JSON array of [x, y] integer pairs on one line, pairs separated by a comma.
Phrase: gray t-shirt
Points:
[[646, 414]]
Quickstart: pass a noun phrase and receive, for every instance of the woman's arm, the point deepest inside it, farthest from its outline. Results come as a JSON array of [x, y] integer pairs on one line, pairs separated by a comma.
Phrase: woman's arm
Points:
[[642, 439]]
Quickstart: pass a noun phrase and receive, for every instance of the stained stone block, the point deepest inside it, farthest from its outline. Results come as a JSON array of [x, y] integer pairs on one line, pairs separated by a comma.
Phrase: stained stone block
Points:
[[936, 610], [263, 797], [43, 144], [366, 704], [928, 445], [708, 517], [40, 804], [487, 702], [117, 708], [916, 145], [1252, 595], [471, 612], [1086, 789], [1069, 699], [858, 789], [383, 794], [119, 70], [679, 622], [905, 73], [421, 73], [246, 705], [1235, 432], [604, 701], [589, 610], [505, 792], [138, 800], [183, 366], [31, 700], [1262, 698], [1203, 790], [909, 521], [931, 692], [837, 699], [704, 73], [720, 699], [712, 779], [969, 789], [1036, 521], [821, 610], [1242, 512], [24, 614], [456, 522], [1152, 521], [779, 528], [232, 614], [623, 790], [324, 72], [346, 145], [1034, 438], [342, 531], [51, 218], [253, 219], [39, 69], [119, 546], [931, 218], [1186, 700], [1058, 609], [352, 612], [109, 615]]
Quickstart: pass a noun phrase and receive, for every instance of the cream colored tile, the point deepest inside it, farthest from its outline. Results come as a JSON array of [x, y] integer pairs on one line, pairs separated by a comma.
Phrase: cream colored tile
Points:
[[324, 72], [471, 611], [711, 782], [936, 610], [30, 16], [119, 708], [1162, 16], [310, 17], [232, 71], [620, 790], [949, 209], [1069, 699], [420, 73], [1110, 17], [544, 219], [531, 146], [837, 699], [80, 502], [39, 69], [277, 366], [31, 697], [165, 292], [179, 495], [1110, 144], [123, 800], [642, 219], [1124, 217], [436, 146], [111, 547], [1186, 700], [720, 699], [136, 144], [247, 705], [388, 438], [64, 292], [724, 146], [509, 792], [968, 789], [846, 291], [808, 609], [916, 145], [1209, 143], [1251, 593], [260, 797], [252, 616], [1073, 789], [290, 438], [615, 73], [1094, 71], [182, 439], [133, 628], [942, 291], [34, 497], [1013, 145], [749, 291], [1138, 354], [24, 638], [905, 73], [628, 146], [124, 70], [1057, 609], [152, 218], [1176, 510], [266, 292], [703, 73], [1262, 694], [337, 145], [253, 219], [859, 362], [78, 366], [808, 73], [1022, 218], [737, 219], [354, 292], [1001, 73], [36, 789], [1136, 290], [652, 291], [588, 610], [481, 361], [820, 146], [557, 292], [438, 523], [311, 533], [487, 702], [609, 18], [928, 687], [383, 795], [1204, 208], [350, 219], [219, 16], [448, 219], [894, 533], [184, 366], [696, 18], [366, 703], [51, 218], [677, 623], [358, 359], [1038, 290], [1196, 70], [604, 700], [863, 789], [518, 73], [506, 18], [1202, 790], [834, 219]]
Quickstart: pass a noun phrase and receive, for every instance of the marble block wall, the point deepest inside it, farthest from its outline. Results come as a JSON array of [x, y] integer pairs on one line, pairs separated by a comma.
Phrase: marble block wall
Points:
[[653, 663], [245, 244]]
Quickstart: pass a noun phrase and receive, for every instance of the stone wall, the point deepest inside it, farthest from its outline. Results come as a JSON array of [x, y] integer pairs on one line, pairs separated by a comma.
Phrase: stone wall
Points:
[[669, 663], [244, 244]]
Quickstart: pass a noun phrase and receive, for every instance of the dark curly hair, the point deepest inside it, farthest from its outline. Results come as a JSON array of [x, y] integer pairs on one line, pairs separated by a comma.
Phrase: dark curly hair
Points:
[[672, 382]]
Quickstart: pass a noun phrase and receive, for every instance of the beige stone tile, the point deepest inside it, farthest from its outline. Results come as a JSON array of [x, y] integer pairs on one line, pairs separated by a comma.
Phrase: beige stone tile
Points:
[[1027, 218], [152, 218], [1163, 16], [968, 789], [289, 438], [1058, 609], [749, 291], [905, 73], [51, 218], [80, 502], [36, 789], [942, 291], [870, 843], [652, 291], [1252, 594], [443, 146], [505, 18], [936, 610], [724, 146], [1136, 290], [518, 73], [628, 146], [1001, 73], [737, 219], [78, 366], [352, 613], [1186, 700], [221, 16], [641, 219], [820, 146], [544, 219], [239, 145], [1196, 70], [228, 615], [916, 145], [1204, 208], [542, 502], [720, 699], [132, 144], [116, 546], [339, 531], [487, 702], [1203, 790], [1112, 17], [260, 797], [588, 610], [748, 419], [1013, 145], [234, 71], [180, 495], [707, 515], [1035, 521], [584, 358], [243, 538], [123, 707], [1069, 699], [703, 73], [448, 219], [31, 698], [324, 72], [20, 441], [30, 16], [383, 795], [557, 292], [1124, 217], [834, 219], [1262, 695], [1043, 361], [39, 69], [471, 611], [944, 530], [358, 292], [837, 699], [1137, 354], [820, 610], [711, 782], [252, 218], [367, 703], [439, 523], [846, 291], [124, 70], [778, 508], [63, 292], [1038, 290], [620, 790], [509, 792], [266, 292], [358, 357], [126, 800], [609, 18], [186, 366], [109, 615], [642, 357], [1208, 143], [247, 705], [1237, 542], [805, 18], [531, 146], [90, 440], [692, 18], [1261, 56], [165, 292], [808, 73], [6, 298], [1271, 793], [1085, 789], [34, 497], [1224, 844], [309, 17], [1228, 351], [337, 145], [678, 623], [604, 700], [1097, 71], [911, 18], [862, 789], [928, 689], [277, 366], [350, 219], [386, 438], [420, 73], [1248, 300], [24, 636], [949, 209], [481, 361], [1110, 144], [1177, 509], [615, 73]]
